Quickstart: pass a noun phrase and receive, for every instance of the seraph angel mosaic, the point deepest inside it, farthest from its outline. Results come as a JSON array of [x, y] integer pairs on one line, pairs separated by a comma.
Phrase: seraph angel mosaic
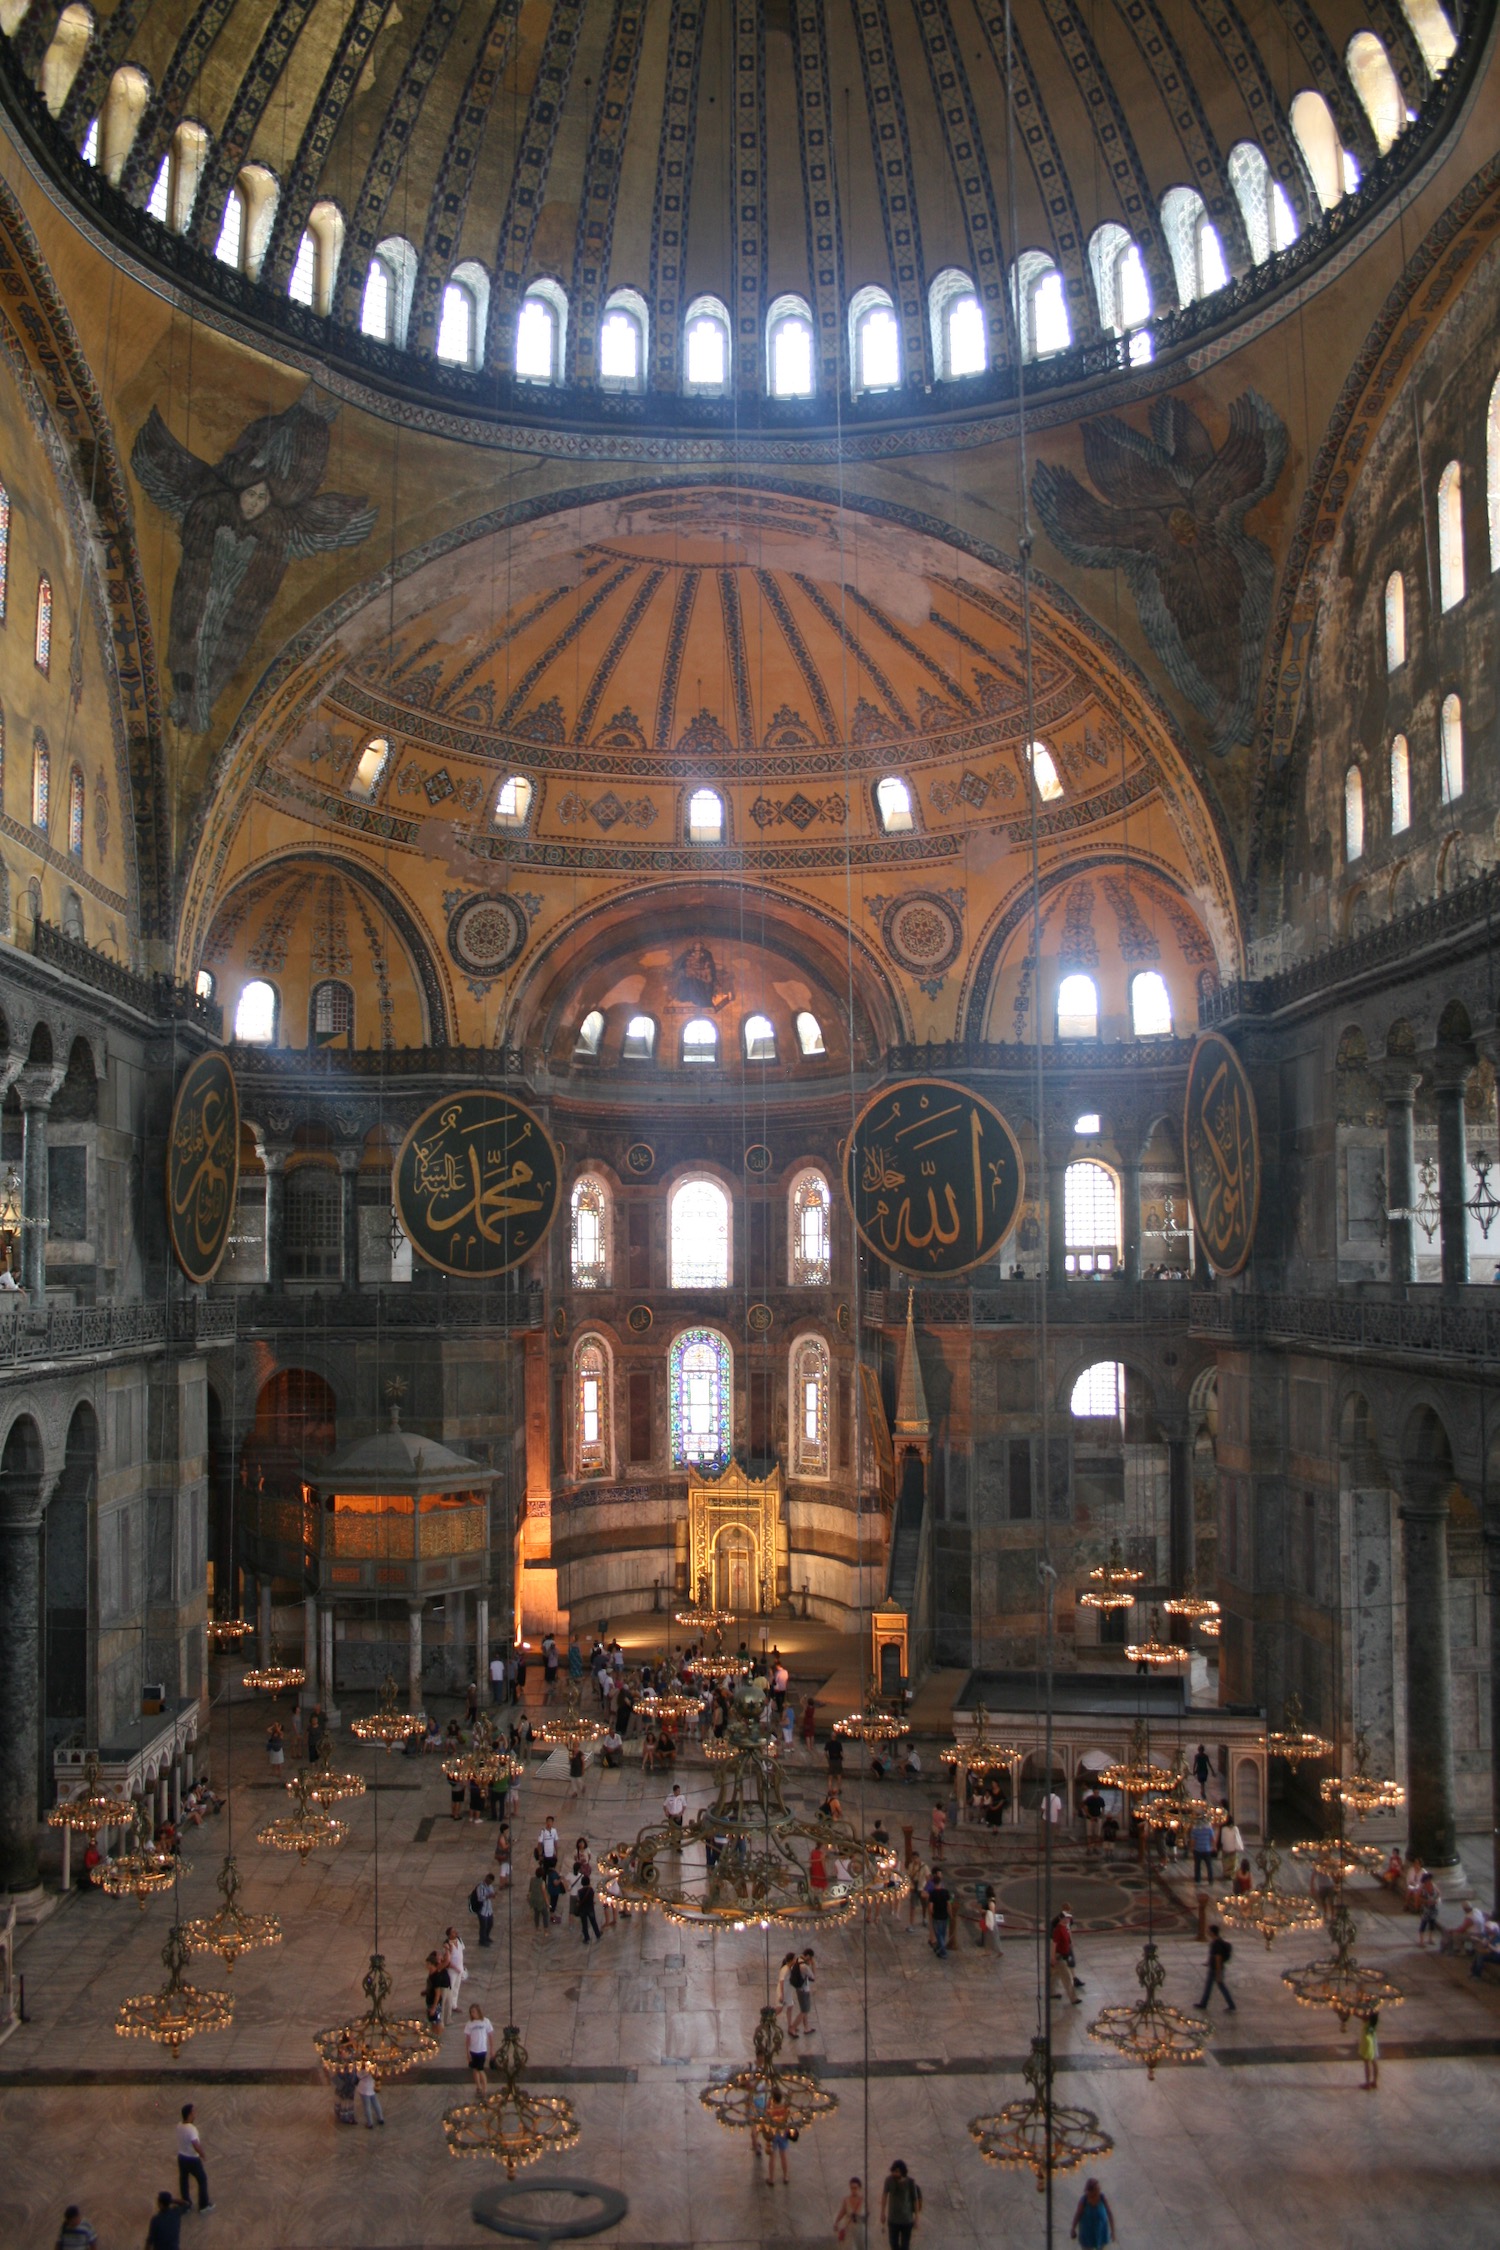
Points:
[[1172, 519], [243, 520]]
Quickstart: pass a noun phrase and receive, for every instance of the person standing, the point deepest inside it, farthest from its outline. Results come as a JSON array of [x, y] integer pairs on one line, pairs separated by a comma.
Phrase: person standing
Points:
[[940, 1906], [1202, 1768], [675, 1806], [275, 1749], [1369, 2050], [1201, 1837], [369, 2098], [801, 1980], [586, 1914], [76, 2233], [165, 2230], [482, 1907], [453, 1957], [1062, 1956], [809, 1723], [776, 2129], [479, 2038], [345, 2083], [539, 1900], [434, 1989], [936, 1827], [497, 1679], [1220, 1953], [900, 2205], [1093, 1813], [190, 2164], [1093, 2222], [786, 1998], [548, 1843]]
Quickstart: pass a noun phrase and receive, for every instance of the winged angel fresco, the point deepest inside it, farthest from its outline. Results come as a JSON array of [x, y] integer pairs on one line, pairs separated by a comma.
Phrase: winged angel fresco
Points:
[[1172, 518], [243, 518]]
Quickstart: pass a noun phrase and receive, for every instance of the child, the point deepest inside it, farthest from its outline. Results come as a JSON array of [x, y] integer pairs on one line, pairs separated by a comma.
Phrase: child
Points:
[[1369, 2050]]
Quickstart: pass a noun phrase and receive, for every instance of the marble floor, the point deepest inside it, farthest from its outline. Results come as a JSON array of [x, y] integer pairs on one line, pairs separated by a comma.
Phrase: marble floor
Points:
[[1269, 2141]]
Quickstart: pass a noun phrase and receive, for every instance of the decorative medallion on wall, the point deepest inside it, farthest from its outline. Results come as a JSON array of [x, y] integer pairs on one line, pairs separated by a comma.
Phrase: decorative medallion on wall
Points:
[[758, 1158], [560, 1323], [476, 1183], [203, 1166], [758, 1319], [844, 1319], [1222, 1145], [639, 1158], [486, 933], [923, 933], [638, 1319], [933, 1176]]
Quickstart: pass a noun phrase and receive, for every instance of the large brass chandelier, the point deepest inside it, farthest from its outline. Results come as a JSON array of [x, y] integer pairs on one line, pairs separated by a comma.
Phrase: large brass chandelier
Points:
[[325, 1786], [1156, 1651], [746, 1860], [741, 2101], [1150, 2030], [231, 1931], [572, 1732], [305, 1830], [1135, 1775], [387, 2045], [1340, 1982], [510, 2125], [389, 1725], [1195, 1607], [1338, 1859], [1293, 1740], [981, 1751], [1362, 1792], [180, 2011], [1267, 1910], [667, 1706], [485, 1759], [93, 1808], [140, 1869], [1111, 1584], [228, 1632], [273, 1676], [875, 1723], [1037, 2133], [700, 1616]]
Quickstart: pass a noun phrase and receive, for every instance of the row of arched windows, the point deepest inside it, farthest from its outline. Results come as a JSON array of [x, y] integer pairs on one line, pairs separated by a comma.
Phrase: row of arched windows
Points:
[[1398, 773], [1078, 1006], [700, 1233], [960, 326], [699, 1041], [41, 790], [1451, 566], [257, 1014], [42, 641], [700, 1412]]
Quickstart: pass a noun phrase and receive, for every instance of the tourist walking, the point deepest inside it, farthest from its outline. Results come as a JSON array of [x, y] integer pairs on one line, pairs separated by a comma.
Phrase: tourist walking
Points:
[[1062, 1957], [479, 2038], [434, 1989], [1201, 1837], [275, 1748], [776, 2129], [76, 2232], [345, 2083], [786, 1999], [936, 1827], [900, 2205], [1202, 1768], [482, 1906], [539, 1900], [852, 2218], [190, 2164], [674, 1805], [916, 1887], [453, 1961], [586, 1914], [1093, 2222], [940, 1906], [801, 1980], [369, 2098], [1220, 1953]]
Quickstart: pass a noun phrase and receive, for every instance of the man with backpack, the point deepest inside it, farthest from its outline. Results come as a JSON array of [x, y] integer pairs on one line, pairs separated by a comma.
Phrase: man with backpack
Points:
[[1220, 1953], [900, 2205], [482, 1905]]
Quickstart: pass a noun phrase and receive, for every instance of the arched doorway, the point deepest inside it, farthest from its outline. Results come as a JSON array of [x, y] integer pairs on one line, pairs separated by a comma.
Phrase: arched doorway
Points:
[[65, 1591], [735, 1570]]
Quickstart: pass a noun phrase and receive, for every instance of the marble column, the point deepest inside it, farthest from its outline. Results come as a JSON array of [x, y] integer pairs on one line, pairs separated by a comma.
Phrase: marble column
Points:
[[458, 1638], [20, 1678], [1182, 1531], [274, 1160], [349, 1184], [325, 1669], [1130, 1218], [35, 1088], [1451, 1076], [1057, 1223], [482, 1646], [1432, 1822], [309, 1694], [414, 1656], [1398, 1081]]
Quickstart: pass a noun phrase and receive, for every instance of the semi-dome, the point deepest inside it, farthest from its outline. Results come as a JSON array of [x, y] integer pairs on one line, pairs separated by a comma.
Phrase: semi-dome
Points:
[[726, 211]]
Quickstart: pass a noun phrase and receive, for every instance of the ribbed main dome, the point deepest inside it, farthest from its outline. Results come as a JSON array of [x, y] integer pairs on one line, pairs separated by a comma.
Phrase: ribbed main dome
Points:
[[832, 154]]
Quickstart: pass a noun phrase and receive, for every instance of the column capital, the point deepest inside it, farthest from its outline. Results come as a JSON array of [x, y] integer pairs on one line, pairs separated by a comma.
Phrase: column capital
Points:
[[1397, 1076], [350, 1156], [21, 1500], [1450, 1067], [1424, 1496], [36, 1083]]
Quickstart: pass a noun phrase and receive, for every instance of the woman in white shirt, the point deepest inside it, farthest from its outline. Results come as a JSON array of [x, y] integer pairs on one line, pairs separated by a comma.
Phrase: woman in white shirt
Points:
[[479, 2034]]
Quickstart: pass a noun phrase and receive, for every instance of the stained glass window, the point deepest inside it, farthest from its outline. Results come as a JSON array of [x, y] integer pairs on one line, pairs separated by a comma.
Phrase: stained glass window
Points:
[[1091, 1218], [808, 1230], [75, 813], [590, 1245], [702, 1426], [809, 1407], [591, 1408], [4, 549], [700, 1236], [43, 624], [41, 781]]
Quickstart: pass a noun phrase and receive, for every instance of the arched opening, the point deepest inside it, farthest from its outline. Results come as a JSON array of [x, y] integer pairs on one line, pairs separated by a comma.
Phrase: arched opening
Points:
[[699, 1235], [65, 1589], [701, 1368], [542, 333]]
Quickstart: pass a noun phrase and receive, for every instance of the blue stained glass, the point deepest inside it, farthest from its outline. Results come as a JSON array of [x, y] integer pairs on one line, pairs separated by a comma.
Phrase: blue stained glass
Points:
[[702, 1401]]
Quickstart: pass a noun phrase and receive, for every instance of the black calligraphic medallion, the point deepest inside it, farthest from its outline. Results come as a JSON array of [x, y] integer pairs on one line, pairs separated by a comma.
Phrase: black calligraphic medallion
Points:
[[933, 1176], [203, 1166], [1222, 1145], [476, 1183]]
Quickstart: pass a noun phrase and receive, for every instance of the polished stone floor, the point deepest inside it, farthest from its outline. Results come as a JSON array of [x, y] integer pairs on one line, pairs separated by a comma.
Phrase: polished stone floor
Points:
[[1269, 2141]]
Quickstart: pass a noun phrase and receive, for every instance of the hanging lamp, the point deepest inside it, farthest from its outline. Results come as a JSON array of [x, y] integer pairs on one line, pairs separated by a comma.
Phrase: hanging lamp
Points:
[[1150, 2030], [1037, 2133], [741, 2101], [1362, 1792], [1268, 1911], [389, 1725], [1155, 1651], [94, 1807], [274, 1676], [304, 1831], [140, 1869], [1293, 1740], [510, 2125], [180, 2011], [1111, 1584], [1340, 1982], [1196, 1607], [231, 1931]]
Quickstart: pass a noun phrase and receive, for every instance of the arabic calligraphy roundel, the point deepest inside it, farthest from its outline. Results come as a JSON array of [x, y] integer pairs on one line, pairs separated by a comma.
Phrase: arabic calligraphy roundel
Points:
[[1222, 1145], [476, 1183], [203, 1166], [933, 1176]]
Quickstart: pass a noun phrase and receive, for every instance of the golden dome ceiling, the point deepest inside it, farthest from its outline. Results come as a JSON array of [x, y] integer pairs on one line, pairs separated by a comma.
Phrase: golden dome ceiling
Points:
[[866, 145]]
